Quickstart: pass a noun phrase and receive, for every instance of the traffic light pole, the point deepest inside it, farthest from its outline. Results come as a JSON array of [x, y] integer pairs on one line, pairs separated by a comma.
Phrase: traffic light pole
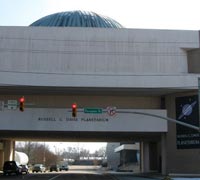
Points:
[[199, 98], [161, 117]]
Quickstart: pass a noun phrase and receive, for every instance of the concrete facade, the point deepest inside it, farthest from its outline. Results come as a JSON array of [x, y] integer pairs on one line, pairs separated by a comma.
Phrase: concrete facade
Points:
[[132, 69], [113, 159], [179, 160], [97, 57]]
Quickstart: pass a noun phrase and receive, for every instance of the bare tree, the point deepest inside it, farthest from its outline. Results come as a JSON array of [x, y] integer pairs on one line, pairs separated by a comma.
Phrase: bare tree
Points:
[[37, 153], [84, 153], [40, 153], [100, 153]]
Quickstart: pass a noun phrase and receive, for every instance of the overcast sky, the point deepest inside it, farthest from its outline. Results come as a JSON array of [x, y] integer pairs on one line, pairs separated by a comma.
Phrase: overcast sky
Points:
[[62, 146], [148, 14]]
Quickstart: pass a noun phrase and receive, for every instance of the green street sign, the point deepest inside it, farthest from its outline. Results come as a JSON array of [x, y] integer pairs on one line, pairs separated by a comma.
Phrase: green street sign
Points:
[[93, 110]]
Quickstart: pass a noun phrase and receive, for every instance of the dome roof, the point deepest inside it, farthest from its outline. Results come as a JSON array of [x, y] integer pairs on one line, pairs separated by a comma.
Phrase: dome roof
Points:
[[77, 19]]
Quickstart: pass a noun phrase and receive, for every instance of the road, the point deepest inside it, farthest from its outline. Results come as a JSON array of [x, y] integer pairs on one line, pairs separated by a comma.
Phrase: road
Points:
[[76, 173], [72, 176], [60, 176]]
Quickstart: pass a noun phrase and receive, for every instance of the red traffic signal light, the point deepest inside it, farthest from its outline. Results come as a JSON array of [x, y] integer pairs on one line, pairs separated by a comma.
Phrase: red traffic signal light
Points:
[[74, 110], [21, 104]]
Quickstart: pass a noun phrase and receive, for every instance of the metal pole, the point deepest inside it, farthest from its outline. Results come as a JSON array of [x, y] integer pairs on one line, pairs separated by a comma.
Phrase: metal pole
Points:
[[199, 98], [162, 117]]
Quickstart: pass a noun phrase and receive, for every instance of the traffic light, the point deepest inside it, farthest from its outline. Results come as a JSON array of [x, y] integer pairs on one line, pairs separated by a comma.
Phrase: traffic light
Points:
[[21, 104], [74, 110]]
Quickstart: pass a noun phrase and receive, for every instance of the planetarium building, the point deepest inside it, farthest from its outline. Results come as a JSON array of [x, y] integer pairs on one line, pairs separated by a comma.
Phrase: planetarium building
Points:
[[129, 85]]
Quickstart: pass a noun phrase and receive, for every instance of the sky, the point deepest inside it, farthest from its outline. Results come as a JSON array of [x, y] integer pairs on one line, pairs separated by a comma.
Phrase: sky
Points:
[[139, 14], [59, 147]]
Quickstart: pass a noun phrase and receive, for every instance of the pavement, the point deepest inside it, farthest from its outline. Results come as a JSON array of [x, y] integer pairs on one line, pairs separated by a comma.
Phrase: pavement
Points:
[[129, 175]]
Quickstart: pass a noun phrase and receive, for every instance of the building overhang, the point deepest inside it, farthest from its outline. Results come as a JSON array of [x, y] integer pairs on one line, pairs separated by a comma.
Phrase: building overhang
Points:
[[127, 147], [86, 84]]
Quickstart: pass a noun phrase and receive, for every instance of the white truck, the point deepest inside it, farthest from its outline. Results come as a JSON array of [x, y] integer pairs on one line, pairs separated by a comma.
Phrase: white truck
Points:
[[21, 158]]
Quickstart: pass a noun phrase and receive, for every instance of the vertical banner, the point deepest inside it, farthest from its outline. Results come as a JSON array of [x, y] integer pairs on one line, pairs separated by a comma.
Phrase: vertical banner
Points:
[[187, 111]]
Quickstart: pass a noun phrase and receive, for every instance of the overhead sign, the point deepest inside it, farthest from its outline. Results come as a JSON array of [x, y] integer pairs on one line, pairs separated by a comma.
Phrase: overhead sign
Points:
[[58, 119], [12, 104], [93, 110]]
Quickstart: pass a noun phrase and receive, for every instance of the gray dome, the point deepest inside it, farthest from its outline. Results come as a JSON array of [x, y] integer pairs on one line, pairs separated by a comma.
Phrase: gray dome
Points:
[[77, 19]]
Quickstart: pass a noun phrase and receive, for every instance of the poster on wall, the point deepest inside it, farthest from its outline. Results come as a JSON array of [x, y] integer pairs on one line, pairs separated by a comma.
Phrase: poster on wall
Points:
[[187, 110]]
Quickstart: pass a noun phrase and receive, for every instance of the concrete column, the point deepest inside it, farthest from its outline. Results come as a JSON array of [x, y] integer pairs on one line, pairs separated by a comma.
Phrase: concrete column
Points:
[[163, 154], [144, 151], [1, 159], [1, 156], [124, 158], [9, 150]]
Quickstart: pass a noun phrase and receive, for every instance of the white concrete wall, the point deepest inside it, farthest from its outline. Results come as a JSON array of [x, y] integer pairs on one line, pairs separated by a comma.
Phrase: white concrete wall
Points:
[[43, 119], [95, 57]]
